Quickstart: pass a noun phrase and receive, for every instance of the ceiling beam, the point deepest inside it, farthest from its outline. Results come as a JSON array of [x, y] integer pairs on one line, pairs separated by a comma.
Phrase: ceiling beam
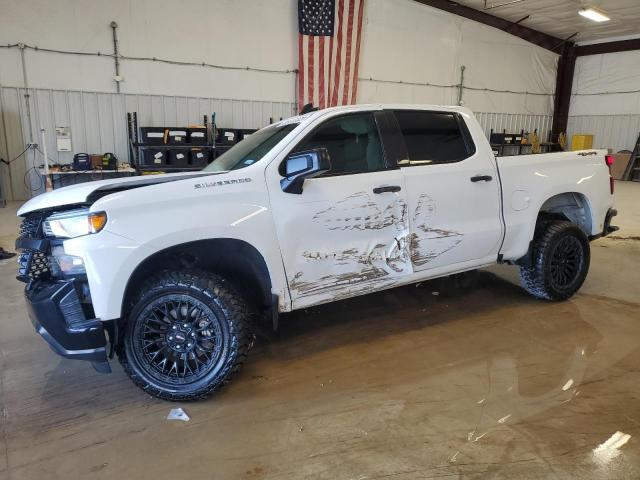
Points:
[[543, 40], [608, 47]]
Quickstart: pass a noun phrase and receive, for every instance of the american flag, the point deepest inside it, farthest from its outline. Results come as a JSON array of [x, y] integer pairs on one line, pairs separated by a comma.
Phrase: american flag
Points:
[[328, 51]]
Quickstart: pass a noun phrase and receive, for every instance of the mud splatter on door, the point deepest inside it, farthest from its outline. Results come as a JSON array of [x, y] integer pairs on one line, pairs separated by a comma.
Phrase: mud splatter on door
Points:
[[427, 241]]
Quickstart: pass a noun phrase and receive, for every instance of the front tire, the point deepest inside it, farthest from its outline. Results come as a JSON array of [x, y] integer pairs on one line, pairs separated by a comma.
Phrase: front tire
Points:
[[560, 262], [186, 336]]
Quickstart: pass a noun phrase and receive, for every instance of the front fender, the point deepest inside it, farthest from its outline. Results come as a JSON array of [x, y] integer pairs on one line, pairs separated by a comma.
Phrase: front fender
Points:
[[147, 220]]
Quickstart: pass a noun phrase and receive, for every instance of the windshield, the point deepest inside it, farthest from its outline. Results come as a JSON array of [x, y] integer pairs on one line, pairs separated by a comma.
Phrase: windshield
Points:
[[251, 149]]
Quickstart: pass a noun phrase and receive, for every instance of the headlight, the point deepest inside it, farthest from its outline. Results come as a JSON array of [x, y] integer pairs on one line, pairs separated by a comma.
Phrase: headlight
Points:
[[75, 223]]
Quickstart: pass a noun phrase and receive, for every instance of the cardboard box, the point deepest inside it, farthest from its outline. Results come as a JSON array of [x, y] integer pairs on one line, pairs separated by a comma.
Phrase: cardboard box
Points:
[[620, 162], [96, 162]]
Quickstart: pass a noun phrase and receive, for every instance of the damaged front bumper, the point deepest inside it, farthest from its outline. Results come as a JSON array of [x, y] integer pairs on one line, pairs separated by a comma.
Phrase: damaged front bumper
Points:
[[57, 315]]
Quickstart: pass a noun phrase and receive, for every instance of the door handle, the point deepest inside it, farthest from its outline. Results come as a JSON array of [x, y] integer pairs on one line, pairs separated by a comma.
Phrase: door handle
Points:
[[481, 178], [390, 188]]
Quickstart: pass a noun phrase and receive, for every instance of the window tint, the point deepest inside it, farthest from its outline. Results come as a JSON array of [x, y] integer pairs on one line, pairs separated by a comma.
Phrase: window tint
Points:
[[352, 141], [433, 137]]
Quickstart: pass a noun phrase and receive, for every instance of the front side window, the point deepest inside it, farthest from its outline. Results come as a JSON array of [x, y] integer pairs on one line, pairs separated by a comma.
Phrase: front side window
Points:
[[433, 137], [352, 141]]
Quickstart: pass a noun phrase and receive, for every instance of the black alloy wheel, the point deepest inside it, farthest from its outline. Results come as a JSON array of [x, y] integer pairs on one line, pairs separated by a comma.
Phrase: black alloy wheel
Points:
[[180, 337], [566, 262], [559, 261], [186, 335]]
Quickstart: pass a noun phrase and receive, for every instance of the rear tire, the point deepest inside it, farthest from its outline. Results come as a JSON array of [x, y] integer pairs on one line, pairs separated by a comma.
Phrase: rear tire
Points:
[[560, 262], [186, 335]]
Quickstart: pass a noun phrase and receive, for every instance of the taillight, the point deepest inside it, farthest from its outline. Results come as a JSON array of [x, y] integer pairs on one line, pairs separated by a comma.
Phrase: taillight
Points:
[[608, 159]]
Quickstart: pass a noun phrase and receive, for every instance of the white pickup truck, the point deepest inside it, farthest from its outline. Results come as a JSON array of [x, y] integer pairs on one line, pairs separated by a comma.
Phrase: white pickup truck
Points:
[[172, 270]]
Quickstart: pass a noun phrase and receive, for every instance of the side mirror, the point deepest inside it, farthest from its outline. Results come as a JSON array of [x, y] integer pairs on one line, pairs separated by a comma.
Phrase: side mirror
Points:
[[301, 165]]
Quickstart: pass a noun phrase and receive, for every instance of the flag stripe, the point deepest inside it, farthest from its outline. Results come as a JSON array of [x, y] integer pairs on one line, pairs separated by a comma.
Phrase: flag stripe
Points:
[[322, 73], [331, 63], [354, 87], [347, 62], [334, 99], [301, 63], [310, 72]]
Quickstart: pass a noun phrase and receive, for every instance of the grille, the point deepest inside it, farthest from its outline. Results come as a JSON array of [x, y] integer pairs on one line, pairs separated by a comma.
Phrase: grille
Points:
[[30, 227], [32, 264]]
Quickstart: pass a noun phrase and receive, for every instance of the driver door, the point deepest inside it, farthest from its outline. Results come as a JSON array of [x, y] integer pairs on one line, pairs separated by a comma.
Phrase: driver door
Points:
[[346, 233]]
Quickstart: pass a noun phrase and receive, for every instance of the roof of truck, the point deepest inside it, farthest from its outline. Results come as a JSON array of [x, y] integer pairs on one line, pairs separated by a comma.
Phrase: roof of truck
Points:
[[373, 106]]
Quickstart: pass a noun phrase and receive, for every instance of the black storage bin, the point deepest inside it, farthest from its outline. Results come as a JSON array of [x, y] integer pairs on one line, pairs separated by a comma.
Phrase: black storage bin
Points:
[[506, 138], [199, 157], [153, 157], [197, 136], [177, 136], [152, 135], [178, 158], [226, 136], [245, 132]]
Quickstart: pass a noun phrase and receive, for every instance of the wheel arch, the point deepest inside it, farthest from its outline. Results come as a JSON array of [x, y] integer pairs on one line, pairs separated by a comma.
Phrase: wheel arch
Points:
[[570, 206], [236, 260]]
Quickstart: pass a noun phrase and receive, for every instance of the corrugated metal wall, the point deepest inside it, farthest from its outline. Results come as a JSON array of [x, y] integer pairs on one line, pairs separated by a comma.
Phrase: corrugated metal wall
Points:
[[98, 124], [619, 132], [514, 123]]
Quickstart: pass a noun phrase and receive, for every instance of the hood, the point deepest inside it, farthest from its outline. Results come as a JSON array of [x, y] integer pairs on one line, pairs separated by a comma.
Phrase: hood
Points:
[[89, 192]]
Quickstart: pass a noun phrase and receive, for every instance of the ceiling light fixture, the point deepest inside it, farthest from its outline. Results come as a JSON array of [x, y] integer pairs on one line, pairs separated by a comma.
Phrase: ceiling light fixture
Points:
[[594, 15], [496, 5]]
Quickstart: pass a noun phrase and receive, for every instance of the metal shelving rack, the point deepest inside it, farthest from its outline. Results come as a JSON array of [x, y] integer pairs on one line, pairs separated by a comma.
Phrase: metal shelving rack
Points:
[[517, 146], [136, 148]]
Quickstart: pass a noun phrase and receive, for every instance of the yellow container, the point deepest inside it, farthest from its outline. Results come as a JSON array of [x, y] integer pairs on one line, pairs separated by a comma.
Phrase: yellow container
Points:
[[581, 142]]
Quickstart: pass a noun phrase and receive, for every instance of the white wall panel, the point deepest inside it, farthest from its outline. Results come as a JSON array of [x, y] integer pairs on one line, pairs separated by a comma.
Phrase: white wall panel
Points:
[[407, 41], [258, 33], [613, 118], [618, 132], [595, 75]]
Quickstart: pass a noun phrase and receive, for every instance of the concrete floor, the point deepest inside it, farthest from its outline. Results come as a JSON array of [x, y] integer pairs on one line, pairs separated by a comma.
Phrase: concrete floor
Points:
[[404, 384]]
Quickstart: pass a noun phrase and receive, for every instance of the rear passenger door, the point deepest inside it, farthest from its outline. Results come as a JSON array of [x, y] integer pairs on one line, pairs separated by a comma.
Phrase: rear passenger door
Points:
[[453, 192]]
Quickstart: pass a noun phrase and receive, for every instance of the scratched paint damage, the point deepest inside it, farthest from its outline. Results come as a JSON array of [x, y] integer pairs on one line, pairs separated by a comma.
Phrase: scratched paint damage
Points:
[[366, 264], [352, 267], [370, 266], [360, 212], [427, 242]]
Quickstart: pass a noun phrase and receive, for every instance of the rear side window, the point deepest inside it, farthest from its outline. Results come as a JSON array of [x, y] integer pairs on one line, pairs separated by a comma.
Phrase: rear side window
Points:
[[434, 137]]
